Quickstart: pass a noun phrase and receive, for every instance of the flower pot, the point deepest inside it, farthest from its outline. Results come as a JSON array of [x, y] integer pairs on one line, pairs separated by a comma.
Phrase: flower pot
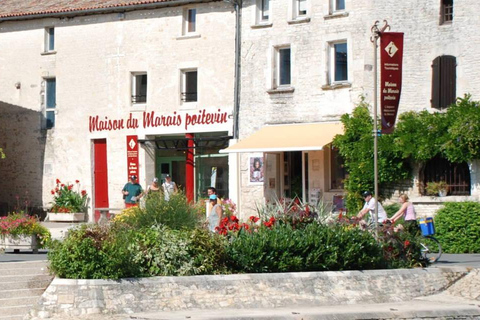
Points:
[[19, 242], [66, 217], [442, 193]]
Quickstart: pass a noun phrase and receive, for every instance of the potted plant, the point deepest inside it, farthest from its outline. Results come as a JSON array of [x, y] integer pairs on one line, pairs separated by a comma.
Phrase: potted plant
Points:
[[21, 231], [439, 188], [69, 203]]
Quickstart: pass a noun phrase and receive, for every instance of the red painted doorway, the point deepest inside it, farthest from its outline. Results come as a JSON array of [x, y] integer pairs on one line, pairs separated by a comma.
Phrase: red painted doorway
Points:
[[100, 175]]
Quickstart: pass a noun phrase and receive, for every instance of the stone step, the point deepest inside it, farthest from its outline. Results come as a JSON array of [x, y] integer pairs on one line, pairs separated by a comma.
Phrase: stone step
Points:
[[39, 282], [24, 276], [13, 272], [23, 265], [20, 310], [13, 302], [12, 317], [4, 294]]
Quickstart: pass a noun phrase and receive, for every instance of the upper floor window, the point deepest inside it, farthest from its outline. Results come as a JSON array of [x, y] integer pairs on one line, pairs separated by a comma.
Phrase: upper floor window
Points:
[[337, 5], [282, 74], [301, 8], [263, 11], [189, 86], [444, 79], [139, 88], [446, 11], [190, 21], [49, 45], [338, 66], [50, 101]]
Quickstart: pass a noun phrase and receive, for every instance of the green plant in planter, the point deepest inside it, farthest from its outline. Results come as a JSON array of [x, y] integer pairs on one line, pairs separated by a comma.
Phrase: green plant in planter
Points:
[[437, 188], [66, 199], [19, 224]]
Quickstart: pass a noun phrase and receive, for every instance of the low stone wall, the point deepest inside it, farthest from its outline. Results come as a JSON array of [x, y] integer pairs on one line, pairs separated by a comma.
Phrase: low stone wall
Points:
[[77, 297]]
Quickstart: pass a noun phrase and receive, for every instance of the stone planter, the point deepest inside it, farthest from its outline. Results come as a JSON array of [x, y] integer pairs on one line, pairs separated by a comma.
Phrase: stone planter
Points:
[[66, 217], [20, 242]]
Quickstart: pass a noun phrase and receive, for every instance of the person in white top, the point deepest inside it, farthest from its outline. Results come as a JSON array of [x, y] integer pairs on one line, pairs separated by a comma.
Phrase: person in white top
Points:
[[370, 207], [169, 187]]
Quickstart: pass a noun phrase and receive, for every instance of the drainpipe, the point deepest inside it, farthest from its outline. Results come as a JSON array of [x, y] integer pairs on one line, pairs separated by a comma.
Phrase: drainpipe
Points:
[[236, 102]]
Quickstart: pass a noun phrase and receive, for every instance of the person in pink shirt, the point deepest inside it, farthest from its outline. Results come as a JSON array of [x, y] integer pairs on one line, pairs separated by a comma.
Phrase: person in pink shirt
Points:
[[407, 211]]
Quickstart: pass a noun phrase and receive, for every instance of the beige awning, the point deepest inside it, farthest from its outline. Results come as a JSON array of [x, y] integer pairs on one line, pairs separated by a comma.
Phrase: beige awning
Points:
[[289, 137]]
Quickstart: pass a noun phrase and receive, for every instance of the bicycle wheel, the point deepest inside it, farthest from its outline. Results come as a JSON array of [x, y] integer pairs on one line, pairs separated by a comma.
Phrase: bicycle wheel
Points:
[[431, 249]]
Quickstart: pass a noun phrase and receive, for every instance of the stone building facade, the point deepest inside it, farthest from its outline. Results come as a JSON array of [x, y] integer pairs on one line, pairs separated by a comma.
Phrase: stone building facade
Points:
[[313, 35], [79, 82], [303, 64]]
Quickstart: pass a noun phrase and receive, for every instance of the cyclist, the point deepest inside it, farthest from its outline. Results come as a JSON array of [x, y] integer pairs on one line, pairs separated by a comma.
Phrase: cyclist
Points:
[[369, 206]]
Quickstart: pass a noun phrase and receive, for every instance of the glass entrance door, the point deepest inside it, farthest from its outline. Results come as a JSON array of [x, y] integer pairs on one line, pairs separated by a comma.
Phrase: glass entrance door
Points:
[[174, 166]]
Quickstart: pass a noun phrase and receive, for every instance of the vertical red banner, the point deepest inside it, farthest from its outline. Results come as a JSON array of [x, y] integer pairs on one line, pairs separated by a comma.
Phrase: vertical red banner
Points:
[[132, 156], [391, 54]]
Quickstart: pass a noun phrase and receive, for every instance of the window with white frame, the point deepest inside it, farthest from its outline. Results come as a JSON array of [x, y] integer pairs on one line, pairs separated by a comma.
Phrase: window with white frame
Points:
[[282, 74], [139, 88], [338, 62], [263, 11], [49, 44], [190, 21], [50, 101], [189, 86], [300, 8], [337, 5]]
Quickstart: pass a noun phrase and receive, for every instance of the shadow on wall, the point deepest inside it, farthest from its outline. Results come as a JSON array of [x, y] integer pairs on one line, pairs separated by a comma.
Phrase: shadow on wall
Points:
[[23, 141]]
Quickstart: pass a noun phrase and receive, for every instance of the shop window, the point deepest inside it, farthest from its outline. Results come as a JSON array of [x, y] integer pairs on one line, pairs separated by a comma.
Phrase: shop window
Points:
[[139, 88], [189, 21], [444, 79], [282, 73], [49, 45], [189, 86], [263, 11], [338, 58], [50, 101], [457, 175], [446, 11], [337, 169]]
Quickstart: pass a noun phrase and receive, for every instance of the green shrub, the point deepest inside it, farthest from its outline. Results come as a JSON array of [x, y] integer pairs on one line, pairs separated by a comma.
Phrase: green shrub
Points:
[[177, 213], [391, 209], [457, 227], [93, 252], [314, 248]]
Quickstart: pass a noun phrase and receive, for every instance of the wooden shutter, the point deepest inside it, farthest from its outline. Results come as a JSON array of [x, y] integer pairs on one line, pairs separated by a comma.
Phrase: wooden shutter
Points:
[[444, 81], [436, 83], [448, 65]]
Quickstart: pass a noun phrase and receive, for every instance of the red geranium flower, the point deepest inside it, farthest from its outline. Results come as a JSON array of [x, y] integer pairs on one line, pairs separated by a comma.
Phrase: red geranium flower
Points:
[[234, 218], [62, 185], [77, 181], [254, 219], [84, 192], [58, 181], [406, 243], [53, 192], [70, 187]]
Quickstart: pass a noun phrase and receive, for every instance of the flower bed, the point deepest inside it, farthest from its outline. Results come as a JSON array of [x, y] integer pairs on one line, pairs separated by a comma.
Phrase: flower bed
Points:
[[158, 241]]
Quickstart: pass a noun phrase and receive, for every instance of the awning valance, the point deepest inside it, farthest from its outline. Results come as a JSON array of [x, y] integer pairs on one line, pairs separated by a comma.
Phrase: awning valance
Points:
[[289, 137]]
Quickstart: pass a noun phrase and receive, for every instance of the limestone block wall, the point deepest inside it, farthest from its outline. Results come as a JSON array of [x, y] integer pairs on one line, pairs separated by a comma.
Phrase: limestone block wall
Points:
[[77, 297]]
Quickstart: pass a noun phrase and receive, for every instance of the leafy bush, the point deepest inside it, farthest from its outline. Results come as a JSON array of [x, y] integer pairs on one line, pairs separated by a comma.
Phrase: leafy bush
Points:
[[316, 247], [457, 227], [16, 224], [177, 213], [119, 251], [391, 209], [93, 252]]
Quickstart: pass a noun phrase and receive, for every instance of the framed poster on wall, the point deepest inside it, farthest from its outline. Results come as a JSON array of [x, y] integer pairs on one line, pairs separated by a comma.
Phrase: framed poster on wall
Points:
[[255, 169]]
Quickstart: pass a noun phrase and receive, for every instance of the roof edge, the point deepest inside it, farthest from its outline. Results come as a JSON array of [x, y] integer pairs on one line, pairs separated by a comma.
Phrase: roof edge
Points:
[[99, 10]]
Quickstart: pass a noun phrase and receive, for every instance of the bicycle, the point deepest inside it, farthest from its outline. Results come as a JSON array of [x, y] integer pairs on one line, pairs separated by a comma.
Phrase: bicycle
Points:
[[431, 249], [430, 246]]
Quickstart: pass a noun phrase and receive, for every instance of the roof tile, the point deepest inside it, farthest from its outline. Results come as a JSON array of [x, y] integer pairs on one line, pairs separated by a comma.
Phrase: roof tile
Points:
[[20, 8]]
